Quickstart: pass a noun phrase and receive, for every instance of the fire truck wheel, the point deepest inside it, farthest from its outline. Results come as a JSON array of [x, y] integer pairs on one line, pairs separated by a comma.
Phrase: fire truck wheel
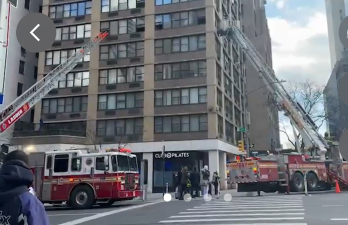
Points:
[[82, 197], [297, 182], [312, 181]]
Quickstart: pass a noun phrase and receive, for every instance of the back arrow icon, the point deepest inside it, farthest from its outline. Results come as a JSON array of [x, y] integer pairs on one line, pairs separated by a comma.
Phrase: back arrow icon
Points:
[[32, 32]]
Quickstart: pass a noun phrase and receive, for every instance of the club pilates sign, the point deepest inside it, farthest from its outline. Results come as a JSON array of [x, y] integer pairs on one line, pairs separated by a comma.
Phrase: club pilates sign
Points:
[[173, 155]]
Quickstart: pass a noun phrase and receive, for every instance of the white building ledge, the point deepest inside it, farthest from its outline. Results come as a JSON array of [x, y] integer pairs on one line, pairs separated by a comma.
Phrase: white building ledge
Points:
[[147, 147]]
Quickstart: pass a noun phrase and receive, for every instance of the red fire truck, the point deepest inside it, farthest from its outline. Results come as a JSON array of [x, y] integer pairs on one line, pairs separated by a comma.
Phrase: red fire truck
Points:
[[83, 179], [285, 173]]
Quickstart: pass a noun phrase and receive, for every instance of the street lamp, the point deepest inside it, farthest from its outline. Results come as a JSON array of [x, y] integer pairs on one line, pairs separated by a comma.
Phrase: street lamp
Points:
[[245, 134]]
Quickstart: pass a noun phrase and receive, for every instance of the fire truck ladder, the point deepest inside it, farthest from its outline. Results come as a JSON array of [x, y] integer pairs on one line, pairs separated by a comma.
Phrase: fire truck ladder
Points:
[[334, 177], [40, 89], [309, 133]]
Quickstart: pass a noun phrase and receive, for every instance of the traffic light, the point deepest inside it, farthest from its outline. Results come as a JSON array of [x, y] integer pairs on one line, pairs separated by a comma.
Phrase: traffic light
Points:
[[238, 158], [13, 3], [241, 145]]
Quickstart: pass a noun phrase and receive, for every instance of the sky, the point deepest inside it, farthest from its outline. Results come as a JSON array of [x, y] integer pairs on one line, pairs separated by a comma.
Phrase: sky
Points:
[[298, 29]]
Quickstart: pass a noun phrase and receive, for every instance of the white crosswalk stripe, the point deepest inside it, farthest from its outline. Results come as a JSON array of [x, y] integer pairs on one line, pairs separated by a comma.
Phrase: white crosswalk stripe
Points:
[[265, 210]]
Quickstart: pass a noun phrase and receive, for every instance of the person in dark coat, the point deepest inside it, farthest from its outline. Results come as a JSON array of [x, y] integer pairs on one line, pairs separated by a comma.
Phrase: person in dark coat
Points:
[[178, 183], [216, 182], [195, 182], [17, 204], [184, 181]]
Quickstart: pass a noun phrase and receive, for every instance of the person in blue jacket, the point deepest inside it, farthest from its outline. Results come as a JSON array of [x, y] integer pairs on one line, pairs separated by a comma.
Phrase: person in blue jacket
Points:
[[17, 205]]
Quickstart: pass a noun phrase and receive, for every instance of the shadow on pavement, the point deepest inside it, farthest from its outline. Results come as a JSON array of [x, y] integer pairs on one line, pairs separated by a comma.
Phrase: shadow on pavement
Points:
[[62, 208]]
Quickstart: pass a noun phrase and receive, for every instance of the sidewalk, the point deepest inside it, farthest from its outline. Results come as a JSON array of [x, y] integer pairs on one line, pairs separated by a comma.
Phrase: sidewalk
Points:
[[157, 196]]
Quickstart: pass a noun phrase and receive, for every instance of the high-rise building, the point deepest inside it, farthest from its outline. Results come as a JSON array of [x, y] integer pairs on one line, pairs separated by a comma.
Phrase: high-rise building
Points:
[[161, 78], [264, 121], [335, 13], [18, 68], [336, 111]]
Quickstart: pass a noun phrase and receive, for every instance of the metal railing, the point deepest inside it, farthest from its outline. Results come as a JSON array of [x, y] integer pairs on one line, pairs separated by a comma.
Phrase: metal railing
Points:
[[38, 133]]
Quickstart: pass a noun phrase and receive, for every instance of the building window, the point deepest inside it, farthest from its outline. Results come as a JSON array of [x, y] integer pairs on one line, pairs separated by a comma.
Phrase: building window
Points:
[[35, 72], [181, 44], [21, 67], [57, 57], [167, 2], [186, 123], [23, 52], [77, 79], [180, 70], [116, 5], [128, 26], [69, 126], [71, 10], [19, 89], [180, 19], [121, 101], [73, 32], [121, 75], [181, 96], [121, 51], [27, 4], [64, 105], [119, 127]]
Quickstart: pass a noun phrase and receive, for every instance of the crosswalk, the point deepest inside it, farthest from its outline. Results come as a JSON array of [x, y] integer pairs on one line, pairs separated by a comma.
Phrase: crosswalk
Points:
[[264, 210]]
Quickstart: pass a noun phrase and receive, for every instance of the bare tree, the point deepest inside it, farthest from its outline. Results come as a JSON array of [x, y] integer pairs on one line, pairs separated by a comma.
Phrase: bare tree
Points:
[[311, 97], [91, 135]]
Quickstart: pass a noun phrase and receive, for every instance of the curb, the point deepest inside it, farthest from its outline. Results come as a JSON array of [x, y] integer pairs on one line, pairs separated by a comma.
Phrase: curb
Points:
[[310, 192]]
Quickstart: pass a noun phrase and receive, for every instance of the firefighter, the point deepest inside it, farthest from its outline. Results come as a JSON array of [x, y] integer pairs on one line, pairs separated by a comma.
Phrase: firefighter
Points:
[[17, 204]]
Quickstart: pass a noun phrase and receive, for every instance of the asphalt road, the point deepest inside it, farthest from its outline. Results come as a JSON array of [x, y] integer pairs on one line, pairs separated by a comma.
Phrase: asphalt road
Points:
[[319, 209]]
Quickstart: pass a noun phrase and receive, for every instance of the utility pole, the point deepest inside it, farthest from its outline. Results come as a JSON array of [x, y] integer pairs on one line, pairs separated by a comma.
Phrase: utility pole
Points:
[[245, 134], [164, 167]]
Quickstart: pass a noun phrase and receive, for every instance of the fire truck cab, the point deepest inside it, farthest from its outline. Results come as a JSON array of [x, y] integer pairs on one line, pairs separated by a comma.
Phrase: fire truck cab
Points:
[[83, 179]]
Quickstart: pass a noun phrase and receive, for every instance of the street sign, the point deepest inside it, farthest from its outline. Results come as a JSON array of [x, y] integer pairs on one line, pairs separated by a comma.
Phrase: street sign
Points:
[[13, 3], [241, 129], [1, 99]]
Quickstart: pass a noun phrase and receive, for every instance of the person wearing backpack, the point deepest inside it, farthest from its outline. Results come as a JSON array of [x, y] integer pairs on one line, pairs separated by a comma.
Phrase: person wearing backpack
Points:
[[17, 205]]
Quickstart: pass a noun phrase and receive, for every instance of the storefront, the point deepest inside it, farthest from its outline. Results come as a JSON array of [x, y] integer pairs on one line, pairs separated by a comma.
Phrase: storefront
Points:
[[164, 169]]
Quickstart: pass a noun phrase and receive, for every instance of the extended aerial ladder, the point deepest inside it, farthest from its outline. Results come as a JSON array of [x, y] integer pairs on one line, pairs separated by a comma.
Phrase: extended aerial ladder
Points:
[[302, 122], [40, 89]]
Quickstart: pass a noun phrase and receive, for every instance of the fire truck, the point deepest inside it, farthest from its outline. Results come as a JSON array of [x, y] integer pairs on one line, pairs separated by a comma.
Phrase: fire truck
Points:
[[285, 173], [82, 178], [323, 163]]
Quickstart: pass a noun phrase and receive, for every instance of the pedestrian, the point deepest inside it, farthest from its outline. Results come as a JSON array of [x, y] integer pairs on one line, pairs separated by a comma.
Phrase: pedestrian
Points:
[[17, 204], [184, 181], [195, 181], [178, 184], [216, 181], [205, 179]]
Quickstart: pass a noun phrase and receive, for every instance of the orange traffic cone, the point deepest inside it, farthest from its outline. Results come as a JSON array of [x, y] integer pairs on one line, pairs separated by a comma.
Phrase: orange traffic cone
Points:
[[338, 190]]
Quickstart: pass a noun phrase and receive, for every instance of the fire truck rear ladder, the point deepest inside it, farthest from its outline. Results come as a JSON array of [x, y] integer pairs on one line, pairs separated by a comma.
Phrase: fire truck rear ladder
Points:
[[40, 89], [334, 177], [309, 133]]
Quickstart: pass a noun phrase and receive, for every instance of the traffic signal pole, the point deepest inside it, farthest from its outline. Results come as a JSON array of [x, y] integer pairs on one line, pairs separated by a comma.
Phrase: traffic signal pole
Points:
[[245, 134]]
